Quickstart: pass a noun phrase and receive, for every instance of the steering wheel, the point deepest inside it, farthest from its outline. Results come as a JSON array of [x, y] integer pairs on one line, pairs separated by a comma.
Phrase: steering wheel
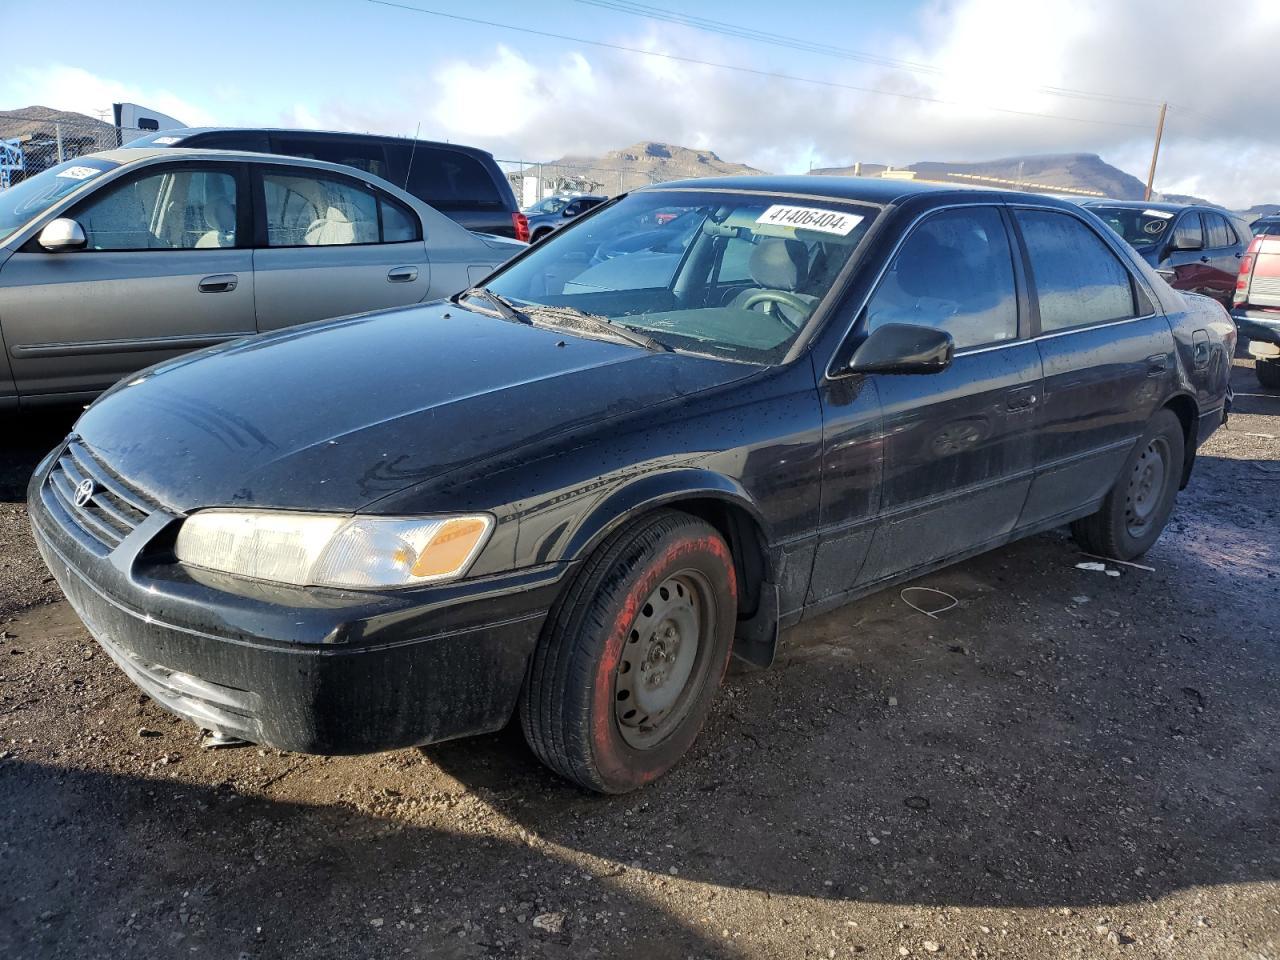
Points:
[[774, 298]]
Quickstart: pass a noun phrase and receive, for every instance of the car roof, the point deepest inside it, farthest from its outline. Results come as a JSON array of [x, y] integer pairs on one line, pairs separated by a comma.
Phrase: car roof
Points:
[[857, 189], [1165, 205], [185, 132]]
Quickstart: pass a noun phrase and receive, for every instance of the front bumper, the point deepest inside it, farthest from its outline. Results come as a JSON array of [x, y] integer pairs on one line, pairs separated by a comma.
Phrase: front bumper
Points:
[[312, 671]]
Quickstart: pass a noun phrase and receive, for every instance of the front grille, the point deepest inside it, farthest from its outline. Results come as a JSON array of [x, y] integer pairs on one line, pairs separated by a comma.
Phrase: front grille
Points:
[[114, 508]]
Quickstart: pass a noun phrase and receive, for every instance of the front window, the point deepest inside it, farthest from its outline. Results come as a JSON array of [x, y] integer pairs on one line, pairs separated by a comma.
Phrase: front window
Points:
[[174, 209], [25, 201], [732, 275], [1143, 229]]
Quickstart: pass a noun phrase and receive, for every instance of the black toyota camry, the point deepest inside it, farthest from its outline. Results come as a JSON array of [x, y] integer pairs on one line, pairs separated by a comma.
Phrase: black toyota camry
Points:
[[574, 492]]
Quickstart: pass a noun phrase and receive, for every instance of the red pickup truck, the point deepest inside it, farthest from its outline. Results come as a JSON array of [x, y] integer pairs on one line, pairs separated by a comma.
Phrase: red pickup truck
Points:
[[1256, 306]]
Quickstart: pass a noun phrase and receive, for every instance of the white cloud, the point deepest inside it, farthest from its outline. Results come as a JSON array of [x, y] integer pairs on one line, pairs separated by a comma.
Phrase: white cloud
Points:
[[73, 88], [988, 52]]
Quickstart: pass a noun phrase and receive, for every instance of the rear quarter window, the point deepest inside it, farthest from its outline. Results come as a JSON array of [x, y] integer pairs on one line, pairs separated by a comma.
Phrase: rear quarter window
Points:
[[449, 180]]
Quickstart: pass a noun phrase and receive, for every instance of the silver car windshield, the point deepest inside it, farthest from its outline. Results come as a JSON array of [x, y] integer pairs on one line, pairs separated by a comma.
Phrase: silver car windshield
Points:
[[731, 275], [25, 201]]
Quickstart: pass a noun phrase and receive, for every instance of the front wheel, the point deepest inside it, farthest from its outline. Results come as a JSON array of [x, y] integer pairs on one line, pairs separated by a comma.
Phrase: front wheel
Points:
[[1135, 511], [1268, 372], [632, 654]]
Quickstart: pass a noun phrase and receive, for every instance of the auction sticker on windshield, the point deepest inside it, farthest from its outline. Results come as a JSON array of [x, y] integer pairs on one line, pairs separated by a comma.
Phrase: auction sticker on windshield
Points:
[[810, 218]]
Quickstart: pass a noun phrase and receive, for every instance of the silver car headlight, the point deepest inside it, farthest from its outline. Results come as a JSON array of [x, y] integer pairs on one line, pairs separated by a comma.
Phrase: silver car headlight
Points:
[[316, 549]]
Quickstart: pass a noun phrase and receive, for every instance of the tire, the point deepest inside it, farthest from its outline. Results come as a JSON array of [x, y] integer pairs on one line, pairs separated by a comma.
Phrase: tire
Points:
[[538, 235], [1135, 511], [1268, 372], [594, 678]]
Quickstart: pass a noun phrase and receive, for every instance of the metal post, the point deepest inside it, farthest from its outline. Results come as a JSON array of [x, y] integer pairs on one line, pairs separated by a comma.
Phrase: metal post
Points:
[[1155, 152], [57, 133]]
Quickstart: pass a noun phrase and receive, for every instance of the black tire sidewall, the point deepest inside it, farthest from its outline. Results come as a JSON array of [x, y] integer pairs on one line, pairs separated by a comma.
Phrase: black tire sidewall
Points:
[[1165, 424], [1268, 373], [617, 765]]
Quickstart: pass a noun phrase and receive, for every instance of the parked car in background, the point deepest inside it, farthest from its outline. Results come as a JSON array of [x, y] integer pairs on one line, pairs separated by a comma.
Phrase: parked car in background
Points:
[[463, 183], [551, 213], [1266, 226], [116, 260], [1200, 245], [1256, 306], [571, 504]]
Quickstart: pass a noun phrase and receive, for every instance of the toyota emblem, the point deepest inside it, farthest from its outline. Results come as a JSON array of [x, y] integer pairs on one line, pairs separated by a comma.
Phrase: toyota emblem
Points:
[[84, 492]]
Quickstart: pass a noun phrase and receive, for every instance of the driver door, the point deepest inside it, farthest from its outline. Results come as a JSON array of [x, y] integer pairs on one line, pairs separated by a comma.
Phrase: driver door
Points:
[[956, 448]]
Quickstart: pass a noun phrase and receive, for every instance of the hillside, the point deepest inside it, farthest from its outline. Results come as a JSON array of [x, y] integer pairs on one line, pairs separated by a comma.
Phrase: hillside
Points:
[[43, 121], [644, 163], [1060, 171]]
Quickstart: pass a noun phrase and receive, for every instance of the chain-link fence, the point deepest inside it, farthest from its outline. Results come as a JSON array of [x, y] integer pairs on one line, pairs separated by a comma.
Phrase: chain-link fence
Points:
[[31, 142], [532, 181]]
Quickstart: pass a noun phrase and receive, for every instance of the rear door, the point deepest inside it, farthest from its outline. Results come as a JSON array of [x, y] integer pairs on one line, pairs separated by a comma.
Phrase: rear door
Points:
[[1187, 255], [167, 268], [956, 447], [330, 245], [1107, 355], [1224, 250]]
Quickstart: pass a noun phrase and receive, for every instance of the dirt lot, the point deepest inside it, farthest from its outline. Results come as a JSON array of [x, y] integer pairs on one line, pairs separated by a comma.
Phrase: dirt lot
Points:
[[1066, 765]]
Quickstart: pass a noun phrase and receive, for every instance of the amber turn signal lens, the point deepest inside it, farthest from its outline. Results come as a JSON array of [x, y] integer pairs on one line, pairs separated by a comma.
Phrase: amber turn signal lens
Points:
[[450, 547]]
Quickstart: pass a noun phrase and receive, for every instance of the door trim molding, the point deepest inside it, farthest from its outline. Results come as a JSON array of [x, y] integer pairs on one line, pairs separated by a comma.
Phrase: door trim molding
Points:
[[27, 351]]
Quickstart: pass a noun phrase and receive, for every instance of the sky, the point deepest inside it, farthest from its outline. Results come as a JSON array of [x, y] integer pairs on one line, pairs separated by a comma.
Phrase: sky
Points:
[[876, 80]]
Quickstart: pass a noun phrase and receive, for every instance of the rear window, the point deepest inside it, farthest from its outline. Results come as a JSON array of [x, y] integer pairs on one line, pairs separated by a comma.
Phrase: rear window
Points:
[[1267, 228], [452, 181]]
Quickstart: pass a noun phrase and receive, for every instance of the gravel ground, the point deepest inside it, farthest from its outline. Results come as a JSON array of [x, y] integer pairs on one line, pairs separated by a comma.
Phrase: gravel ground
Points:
[[1065, 765]]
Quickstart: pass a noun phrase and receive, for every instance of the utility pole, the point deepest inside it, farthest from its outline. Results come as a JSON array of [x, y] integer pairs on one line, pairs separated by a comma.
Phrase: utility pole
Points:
[[1155, 153]]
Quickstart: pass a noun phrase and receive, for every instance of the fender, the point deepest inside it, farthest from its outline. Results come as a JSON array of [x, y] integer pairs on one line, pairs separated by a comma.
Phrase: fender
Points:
[[650, 492]]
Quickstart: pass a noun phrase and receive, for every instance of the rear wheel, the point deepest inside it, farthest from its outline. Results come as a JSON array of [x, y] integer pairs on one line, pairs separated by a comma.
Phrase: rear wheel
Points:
[[632, 654], [1268, 373], [538, 235], [1135, 511]]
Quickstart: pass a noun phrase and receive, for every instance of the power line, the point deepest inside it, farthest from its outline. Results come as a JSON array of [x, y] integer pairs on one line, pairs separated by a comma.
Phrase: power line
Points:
[[770, 74], [796, 43]]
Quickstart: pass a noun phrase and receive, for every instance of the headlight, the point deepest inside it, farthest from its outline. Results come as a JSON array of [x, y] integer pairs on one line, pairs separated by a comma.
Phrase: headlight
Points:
[[312, 549]]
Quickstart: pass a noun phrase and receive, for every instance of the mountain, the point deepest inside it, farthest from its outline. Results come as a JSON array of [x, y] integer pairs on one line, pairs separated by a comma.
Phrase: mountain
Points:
[[1046, 172], [639, 165], [1261, 210], [45, 122]]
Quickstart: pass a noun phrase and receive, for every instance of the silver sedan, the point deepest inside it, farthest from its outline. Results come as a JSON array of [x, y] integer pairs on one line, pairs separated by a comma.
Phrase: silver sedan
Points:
[[118, 260]]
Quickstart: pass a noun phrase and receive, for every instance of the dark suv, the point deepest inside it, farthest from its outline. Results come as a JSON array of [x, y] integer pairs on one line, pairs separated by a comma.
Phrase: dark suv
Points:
[[463, 183], [1198, 248]]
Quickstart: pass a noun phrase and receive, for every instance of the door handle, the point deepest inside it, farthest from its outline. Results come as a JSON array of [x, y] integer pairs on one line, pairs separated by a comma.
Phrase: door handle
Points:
[[219, 283], [402, 274], [1157, 364], [1204, 259]]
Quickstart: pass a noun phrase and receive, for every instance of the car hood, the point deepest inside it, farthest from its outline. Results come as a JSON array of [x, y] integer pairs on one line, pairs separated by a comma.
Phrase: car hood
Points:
[[337, 415]]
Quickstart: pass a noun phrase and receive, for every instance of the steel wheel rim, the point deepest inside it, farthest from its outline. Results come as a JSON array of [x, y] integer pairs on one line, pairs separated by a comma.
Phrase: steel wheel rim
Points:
[[1146, 487], [664, 659]]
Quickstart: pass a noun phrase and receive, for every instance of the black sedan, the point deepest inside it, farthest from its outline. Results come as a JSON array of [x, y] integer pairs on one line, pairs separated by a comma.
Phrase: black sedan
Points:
[[574, 492]]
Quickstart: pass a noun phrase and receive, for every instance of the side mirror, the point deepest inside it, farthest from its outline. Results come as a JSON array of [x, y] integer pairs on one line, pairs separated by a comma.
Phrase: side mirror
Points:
[[62, 234], [1167, 274], [567, 212], [904, 348]]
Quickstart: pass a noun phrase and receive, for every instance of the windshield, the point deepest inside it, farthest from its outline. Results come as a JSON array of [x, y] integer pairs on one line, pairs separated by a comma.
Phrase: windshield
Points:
[[732, 275], [30, 198], [1267, 228], [1141, 228], [548, 205]]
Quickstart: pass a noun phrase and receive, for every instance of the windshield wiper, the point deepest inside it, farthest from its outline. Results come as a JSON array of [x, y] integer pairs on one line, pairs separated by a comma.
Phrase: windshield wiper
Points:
[[501, 304], [572, 316]]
